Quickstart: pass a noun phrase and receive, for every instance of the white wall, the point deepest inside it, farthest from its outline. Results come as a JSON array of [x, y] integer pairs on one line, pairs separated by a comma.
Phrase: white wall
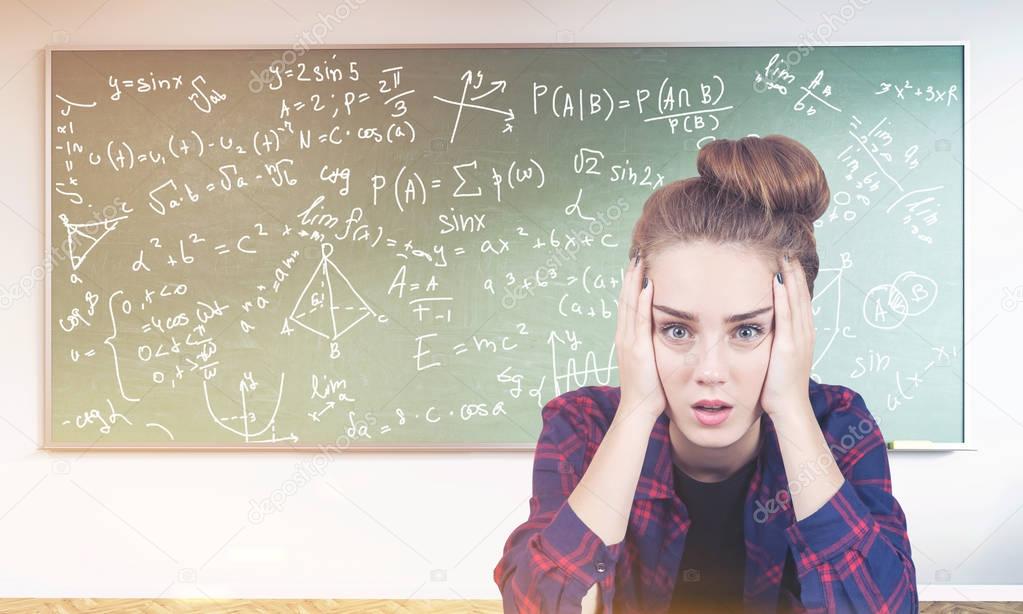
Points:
[[376, 525]]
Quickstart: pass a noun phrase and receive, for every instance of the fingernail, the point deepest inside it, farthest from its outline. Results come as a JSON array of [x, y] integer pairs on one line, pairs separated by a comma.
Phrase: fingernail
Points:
[[645, 280], [778, 277]]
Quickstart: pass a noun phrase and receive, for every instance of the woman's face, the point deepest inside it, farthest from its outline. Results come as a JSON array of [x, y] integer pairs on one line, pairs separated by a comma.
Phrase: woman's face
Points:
[[702, 351]]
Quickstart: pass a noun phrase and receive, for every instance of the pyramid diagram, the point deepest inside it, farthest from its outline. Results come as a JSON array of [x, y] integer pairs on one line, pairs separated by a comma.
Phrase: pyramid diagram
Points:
[[329, 305]]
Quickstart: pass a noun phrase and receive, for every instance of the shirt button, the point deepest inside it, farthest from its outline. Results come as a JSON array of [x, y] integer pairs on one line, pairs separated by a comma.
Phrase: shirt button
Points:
[[601, 567]]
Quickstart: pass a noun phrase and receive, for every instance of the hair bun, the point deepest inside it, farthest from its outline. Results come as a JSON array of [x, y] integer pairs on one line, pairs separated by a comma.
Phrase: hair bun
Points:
[[774, 172]]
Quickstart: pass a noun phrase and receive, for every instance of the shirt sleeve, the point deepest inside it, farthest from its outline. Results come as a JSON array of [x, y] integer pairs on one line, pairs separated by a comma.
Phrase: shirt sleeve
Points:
[[552, 559], [853, 554]]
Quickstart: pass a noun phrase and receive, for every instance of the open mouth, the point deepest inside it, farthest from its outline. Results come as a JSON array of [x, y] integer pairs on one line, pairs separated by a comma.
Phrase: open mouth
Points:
[[711, 412]]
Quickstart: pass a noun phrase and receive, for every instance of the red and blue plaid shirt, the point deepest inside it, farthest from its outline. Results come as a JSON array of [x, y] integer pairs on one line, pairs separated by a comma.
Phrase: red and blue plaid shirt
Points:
[[851, 555]]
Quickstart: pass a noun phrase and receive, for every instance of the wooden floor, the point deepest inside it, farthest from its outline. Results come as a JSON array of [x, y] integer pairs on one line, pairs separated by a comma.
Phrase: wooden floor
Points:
[[974, 607], [359, 606]]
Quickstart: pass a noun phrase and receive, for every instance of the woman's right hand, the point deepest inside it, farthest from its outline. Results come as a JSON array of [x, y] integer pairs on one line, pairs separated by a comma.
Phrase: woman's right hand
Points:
[[641, 389]]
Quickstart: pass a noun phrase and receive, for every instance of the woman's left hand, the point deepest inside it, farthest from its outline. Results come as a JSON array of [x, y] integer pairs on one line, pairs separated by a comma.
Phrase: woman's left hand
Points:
[[788, 373]]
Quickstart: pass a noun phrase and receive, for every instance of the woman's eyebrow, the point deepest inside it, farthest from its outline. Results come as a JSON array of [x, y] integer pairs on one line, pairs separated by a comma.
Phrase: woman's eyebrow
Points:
[[685, 315]]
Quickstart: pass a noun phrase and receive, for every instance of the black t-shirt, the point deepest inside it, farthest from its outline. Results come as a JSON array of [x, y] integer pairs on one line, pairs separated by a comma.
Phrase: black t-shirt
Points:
[[710, 576], [713, 568]]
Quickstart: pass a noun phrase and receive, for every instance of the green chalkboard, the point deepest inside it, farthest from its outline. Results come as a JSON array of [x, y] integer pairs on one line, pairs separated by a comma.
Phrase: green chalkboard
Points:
[[419, 246]]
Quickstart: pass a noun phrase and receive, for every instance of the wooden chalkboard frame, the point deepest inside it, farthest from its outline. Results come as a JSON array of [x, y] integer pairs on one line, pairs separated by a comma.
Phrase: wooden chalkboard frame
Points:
[[45, 421]]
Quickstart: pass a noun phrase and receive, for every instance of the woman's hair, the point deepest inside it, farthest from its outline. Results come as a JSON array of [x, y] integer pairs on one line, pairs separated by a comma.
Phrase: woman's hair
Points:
[[761, 193]]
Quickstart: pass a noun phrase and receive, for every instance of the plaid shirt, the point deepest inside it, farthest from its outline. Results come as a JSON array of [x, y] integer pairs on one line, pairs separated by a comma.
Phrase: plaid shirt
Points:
[[851, 555]]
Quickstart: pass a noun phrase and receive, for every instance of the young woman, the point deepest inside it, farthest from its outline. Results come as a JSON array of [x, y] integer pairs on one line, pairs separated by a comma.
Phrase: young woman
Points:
[[718, 477]]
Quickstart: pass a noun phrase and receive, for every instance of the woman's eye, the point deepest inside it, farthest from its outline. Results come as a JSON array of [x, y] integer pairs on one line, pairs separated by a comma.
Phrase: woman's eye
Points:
[[670, 327], [753, 327]]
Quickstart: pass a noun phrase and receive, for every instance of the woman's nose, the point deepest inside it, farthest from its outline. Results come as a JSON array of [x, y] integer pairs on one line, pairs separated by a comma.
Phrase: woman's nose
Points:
[[710, 365]]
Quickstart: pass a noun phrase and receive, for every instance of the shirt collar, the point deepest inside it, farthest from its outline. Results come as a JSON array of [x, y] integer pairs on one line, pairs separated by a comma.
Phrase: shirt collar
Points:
[[655, 478]]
